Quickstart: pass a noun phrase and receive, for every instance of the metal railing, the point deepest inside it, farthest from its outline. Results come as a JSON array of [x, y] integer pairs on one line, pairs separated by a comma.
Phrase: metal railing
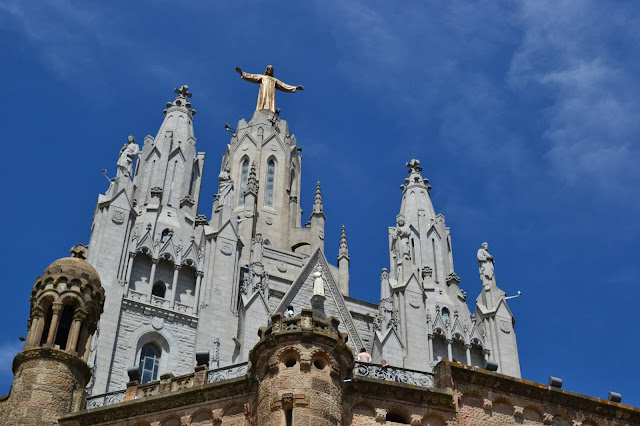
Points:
[[394, 374]]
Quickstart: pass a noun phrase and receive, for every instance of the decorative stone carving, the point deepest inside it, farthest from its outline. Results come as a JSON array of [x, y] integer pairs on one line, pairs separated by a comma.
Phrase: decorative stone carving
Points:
[[282, 267], [505, 326], [487, 404], [225, 188], [226, 249], [518, 412], [117, 217], [128, 154], [485, 264], [318, 283]]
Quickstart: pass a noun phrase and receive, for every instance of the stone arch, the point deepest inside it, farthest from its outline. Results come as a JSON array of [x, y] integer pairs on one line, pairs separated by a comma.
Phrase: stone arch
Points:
[[472, 399], [433, 420], [321, 360], [532, 413], [172, 420], [148, 334], [288, 357], [561, 420], [202, 417], [398, 415], [502, 406], [363, 409]]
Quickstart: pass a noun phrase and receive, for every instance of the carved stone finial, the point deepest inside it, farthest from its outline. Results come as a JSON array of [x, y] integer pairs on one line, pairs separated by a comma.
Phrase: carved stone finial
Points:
[[182, 100], [317, 199], [414, 166], [252, 182], [344, 250], [79, 251]]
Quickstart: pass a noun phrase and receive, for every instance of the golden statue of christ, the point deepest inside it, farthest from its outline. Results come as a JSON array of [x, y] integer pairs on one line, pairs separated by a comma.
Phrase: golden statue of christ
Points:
[[268, 86]]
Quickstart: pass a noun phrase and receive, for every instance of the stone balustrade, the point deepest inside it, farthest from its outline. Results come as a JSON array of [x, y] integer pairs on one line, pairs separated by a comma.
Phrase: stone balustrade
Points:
[[394, 374]]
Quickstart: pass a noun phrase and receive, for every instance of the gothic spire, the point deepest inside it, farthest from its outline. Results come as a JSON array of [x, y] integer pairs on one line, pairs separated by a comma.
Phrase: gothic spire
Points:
[[317, 200], [252, 182], [416, 194], [344, 249]]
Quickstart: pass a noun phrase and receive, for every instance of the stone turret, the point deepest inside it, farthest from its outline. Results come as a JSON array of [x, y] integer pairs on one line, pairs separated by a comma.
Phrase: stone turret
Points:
[[51, 372], [301, 364]]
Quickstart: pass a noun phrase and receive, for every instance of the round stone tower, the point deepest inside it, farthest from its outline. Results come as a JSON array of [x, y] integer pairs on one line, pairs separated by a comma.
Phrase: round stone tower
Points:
[[51, 372], [301, 364]]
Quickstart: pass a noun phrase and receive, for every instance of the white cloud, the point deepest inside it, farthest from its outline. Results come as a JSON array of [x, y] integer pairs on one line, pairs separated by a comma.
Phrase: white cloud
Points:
[[577, 55]]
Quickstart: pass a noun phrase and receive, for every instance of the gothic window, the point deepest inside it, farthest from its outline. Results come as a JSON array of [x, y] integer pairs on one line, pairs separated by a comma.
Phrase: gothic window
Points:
[[244, 176], [173, 178], [268, 192], [445, 315], [165, 235], [149, 362], [159, 289]]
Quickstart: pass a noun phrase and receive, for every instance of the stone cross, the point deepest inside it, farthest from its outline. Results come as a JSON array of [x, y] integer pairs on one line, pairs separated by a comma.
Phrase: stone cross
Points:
[[183, 91], [414, 166], [79, 251]]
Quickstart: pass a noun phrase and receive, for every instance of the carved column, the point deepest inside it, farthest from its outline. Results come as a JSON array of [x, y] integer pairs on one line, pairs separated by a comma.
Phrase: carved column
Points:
[[87, 345], [430, 343], [55, 319], [152, 276], [449, 352], [132, 255], [35, 331], [74, 332], [196, 296], [174, 285], [468, 348]]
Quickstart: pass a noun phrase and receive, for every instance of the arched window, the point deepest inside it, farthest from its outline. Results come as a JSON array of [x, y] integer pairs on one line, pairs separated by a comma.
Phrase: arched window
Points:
[[149, 362], [445, 315], [165, 235], [64, 326], [244, 177], [159, 289], [268, 191]]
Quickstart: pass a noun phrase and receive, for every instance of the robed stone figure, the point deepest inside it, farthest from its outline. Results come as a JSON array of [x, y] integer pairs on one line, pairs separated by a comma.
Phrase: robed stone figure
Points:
[[128, 154], [485, 264], [268, 86], [225, 187]]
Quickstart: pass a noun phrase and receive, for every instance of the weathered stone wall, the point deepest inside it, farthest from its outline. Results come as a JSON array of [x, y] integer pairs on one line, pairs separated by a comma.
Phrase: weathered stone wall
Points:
[[175, 337], [42, 387]]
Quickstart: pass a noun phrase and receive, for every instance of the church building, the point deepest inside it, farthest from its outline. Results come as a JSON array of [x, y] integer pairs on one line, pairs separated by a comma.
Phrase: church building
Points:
[[171, 318]]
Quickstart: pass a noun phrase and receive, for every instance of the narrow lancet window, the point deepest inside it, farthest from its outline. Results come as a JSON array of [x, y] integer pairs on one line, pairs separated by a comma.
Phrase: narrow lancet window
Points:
[[173, 178], [268, 192], [244, 176]]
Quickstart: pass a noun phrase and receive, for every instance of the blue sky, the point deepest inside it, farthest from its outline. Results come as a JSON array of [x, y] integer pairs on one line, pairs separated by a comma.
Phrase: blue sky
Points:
[[524, 115]]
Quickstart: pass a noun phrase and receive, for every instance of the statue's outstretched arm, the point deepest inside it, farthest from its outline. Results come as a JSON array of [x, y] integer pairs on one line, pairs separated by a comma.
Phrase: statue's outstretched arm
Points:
[[287, 88], [254, 78]]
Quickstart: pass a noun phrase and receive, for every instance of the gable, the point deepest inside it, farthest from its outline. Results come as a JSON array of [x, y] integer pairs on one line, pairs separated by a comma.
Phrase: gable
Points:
[[300, 293]]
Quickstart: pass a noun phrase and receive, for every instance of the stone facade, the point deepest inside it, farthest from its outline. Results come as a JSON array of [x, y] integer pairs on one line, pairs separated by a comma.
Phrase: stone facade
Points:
[[196, 283], [173, 290], [301, 372]]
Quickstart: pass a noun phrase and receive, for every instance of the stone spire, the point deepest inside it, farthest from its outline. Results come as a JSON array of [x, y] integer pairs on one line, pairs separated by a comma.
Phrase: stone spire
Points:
[[344, 249], [317, 200], [343, 263], [416, 194], [252, 182]]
